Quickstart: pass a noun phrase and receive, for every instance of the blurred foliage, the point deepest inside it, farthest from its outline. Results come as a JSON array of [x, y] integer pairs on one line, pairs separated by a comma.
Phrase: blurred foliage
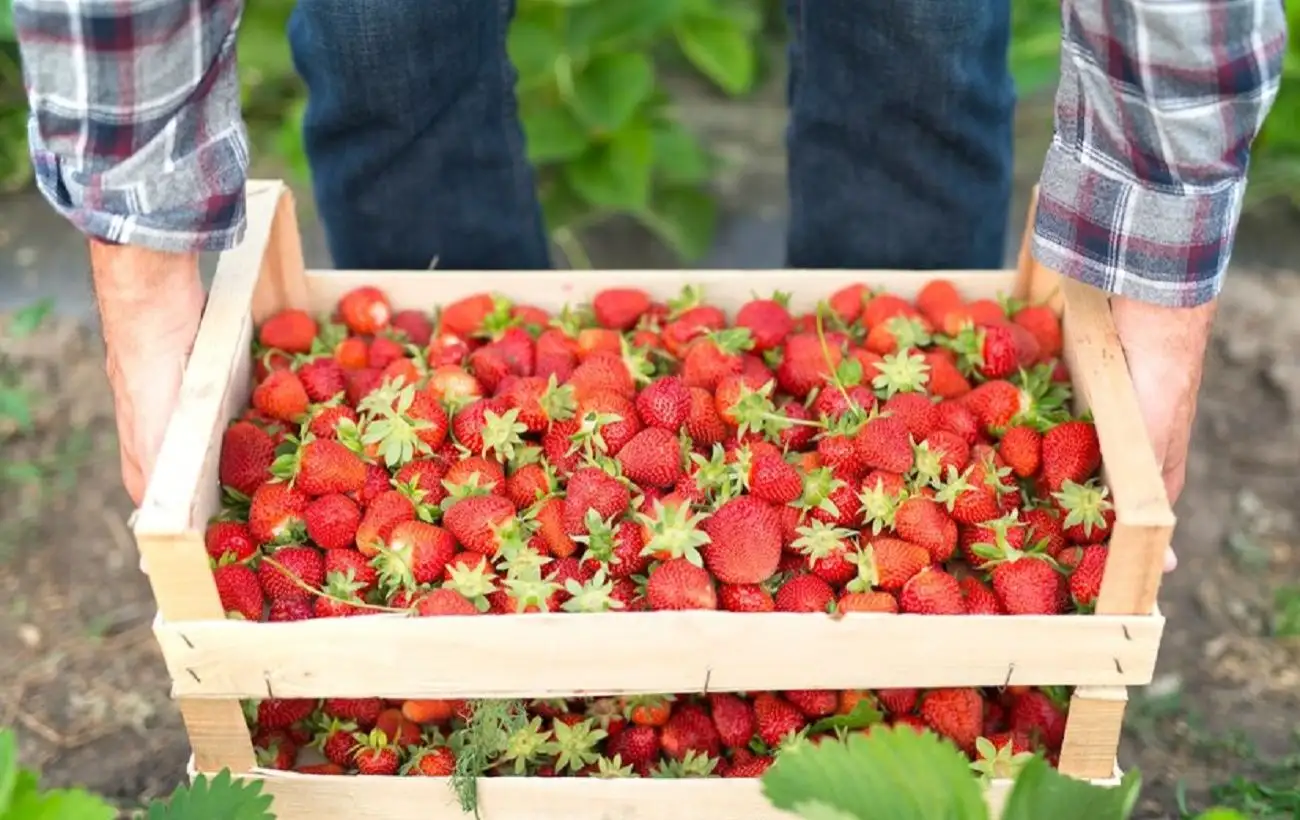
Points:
[[601, 126]]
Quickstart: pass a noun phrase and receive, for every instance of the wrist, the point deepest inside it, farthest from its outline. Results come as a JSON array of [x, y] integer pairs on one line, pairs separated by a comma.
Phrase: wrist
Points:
[[148, 300]]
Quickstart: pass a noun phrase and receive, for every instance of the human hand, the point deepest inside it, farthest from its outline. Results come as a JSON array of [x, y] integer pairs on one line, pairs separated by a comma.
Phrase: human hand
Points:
[[150, 304], [1165, 348]]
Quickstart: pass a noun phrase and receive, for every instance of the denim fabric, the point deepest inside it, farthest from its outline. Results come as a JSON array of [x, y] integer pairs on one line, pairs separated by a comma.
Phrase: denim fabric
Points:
[[900, 133]]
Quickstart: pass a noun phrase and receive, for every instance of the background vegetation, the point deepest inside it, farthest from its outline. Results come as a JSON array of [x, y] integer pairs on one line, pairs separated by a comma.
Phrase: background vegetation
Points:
[[601, 127]]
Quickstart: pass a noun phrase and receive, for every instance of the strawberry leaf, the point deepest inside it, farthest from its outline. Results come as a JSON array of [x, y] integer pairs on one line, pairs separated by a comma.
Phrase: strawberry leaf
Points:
[[863, 714], [1041, 791]]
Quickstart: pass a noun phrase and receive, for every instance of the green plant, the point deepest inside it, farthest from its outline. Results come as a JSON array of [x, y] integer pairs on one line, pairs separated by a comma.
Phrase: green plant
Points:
[[899, 774], [23, 798]]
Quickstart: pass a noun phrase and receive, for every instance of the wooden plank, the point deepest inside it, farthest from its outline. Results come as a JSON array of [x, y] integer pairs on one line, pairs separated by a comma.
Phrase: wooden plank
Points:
[[218, 734], [1144, 520], [552, 290], [1092, 731], [317, 797], [546, 655]]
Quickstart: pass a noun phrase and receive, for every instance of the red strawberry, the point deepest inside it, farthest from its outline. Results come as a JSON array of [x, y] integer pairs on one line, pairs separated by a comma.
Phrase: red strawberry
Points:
[[229, 541], [923, 522], [281, 396], [1035, 714], [745, 598], [744, 541], [437, 761], [417, 554], [375, 755], [767, 320], [282, 713], [591, 488], [884, 443], [733, 718], [1088, 514], [1045, 326], [804, 593], [636, 746], [776, 718], [805, 364], [1085, 580], [275, 750], [898, 701], [703, 424], [773, 479], [325, 467], [994, 404], [957, 714], [980, 600], [444, 601], [246, 456], [620, 308], [932, 592], [1071, 452], [872, 601], [291, 330], [1027, 583], [332, 521], [240, 593], [385, 511], [664, 403], [1021, 448], [889, 563], [289, 609], [476, 520], [653, 458], [946, 379], [917, 411], [323, 379], [1043, 528], [365, 310], [276, 512], [678, 584], [814, 703], [291, 572], [689, 729]]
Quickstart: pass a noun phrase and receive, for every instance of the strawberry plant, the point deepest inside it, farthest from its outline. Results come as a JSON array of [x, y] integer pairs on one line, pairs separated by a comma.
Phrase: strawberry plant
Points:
[[23, 798], [902, 775]]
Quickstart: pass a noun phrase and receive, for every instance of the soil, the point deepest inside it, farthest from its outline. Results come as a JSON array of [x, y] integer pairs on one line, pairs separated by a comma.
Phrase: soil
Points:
[[86, 689]]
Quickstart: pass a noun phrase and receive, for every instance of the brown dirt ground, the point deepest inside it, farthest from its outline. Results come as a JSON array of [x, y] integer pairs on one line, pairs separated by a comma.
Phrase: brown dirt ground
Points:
[[87, 691]]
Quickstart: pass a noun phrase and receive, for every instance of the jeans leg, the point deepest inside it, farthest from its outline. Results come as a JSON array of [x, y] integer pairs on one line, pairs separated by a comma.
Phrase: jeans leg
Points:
[[412, 135], [900, 133]]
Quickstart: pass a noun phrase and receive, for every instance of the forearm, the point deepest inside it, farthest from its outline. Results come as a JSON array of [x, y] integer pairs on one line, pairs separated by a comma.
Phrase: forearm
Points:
[[1157, 108], [135, 130]]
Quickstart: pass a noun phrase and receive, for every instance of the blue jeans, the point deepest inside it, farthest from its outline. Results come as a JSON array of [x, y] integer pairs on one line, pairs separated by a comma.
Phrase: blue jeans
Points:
[[899, 137]]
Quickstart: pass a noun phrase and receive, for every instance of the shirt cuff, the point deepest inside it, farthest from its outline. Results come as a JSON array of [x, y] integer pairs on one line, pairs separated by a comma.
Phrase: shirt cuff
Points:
[[1132, 240]]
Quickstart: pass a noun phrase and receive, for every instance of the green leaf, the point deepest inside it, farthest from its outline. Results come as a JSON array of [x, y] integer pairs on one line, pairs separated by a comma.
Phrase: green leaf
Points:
[[720, 50], [680, 159], [610, 89], [684, 219], [561, 207], [607, 24], [616, 174], [29, 319], [58, 804], [221, 796], [1041, 791], [533, 48], [893, 773], [553, 135], [863, 714], [16, 406], [8, 768]]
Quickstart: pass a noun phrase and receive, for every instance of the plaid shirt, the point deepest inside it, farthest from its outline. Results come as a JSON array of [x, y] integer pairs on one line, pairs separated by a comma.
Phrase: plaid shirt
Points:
[[136, 134]]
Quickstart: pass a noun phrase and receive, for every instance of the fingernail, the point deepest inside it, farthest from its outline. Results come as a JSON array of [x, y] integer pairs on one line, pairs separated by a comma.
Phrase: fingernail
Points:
[[1171, 560]]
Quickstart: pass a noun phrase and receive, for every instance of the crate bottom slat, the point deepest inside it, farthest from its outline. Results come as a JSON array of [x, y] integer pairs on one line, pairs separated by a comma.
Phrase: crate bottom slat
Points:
[[324, 797]]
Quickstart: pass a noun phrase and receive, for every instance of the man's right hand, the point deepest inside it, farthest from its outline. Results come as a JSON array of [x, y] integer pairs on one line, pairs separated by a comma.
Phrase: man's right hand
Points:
[[150, 304]]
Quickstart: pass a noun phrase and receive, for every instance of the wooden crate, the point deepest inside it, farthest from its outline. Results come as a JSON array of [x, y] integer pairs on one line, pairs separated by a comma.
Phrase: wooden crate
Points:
[[215, 662]]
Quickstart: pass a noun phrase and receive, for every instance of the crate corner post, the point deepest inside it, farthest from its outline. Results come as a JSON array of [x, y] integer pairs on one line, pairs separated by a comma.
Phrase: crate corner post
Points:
[[1092, 733]]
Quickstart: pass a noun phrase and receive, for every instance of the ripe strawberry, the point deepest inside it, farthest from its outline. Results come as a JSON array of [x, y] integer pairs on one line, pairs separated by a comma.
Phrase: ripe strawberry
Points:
[[291, 330], [385, 511], [602, 372], [923, 522], [620, 308], [1088, 514], [417, 555], [932, 591], [884, 443], [744, 541], [476, 472], [689, 729], [276, 512], [703, 424], [291, 572], [653, 458], [889, 563], [871, 601], [805, 364], [289, 609], [994, 403], [325, 467], [1043, 528], [664, 403], [282, 713], [281, 396], [637, 746], [1036, 715], [767, 320], [1021, 448], [917, 411], [240, 593], [436, 761], [898, 701], [323, 379], [733, 718], [1028, 583], [444, 601], [678, 584], [957, 714], [775, 718], [774, 480], [745, 598], [1045, 326], [1085, 580], [229, 542], [591, 488], [247, 452], [365, 310], [275, 750], [1071, 452], [804, 593], [375, 755], [980, 600], [332, 521], [814, 703], [363, 712], [476, 520]]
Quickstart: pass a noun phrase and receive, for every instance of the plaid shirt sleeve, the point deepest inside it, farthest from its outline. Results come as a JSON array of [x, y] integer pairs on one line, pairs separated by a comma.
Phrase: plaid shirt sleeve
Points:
[[135, 130], [1158, 104]]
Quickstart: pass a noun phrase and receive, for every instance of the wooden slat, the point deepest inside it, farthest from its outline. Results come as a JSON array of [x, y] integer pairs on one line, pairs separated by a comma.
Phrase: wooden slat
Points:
[[316, 797], [551, 654], [1092, 731]]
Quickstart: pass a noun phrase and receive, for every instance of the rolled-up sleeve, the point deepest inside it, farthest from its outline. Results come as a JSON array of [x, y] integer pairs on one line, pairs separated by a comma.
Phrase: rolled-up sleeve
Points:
[[1158, 105], [135, 129]]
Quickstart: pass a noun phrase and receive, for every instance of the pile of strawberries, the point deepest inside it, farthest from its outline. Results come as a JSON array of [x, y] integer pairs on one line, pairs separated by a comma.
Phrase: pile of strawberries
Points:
[[713, 735], [873, 455]]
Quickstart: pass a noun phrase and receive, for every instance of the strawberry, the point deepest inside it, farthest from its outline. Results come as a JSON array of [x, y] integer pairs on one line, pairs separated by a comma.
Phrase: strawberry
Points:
[[620, 308], [1045, 327], [282, 713], [247, 452], [901, 332], [917, 411], [870, 601], [414, 324], [1038, 716], [602, 372], [733, 718], [365, 310], [444, 601], [540, 401], [689, 729], [591, 488], [805, 364], [652, 458], [326, 467], [1085, 580], [814, 703], [1043, 528], [881, 307], [745, 598], [924, 522], [375, 755], [980, 600], [332, 521], [291, 330], [289, 609], [416, 556], [291, 572], [1070, 452], [476, 521], [240, 593], [275, 513], [936, 297], [678, 584], [776, 719], [275, 750], [435, 761], [323, 379], [1087, 511], [957, 714], [664, 403], [804, 593], [637, 746], [385, 511], [466, 316], [994, 404], [281, 396], [355, 574], [932, 591], [774, 480], [1021, 448], [744, 541], [1027, 583], [229, 542], [363, 712], [884, 443], [946, 381], [888, 563], [767, 320]]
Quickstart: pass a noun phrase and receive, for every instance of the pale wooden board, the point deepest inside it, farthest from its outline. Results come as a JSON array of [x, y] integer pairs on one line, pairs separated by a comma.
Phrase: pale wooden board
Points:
[[551, 654], [317, 797], [1092, 730]]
